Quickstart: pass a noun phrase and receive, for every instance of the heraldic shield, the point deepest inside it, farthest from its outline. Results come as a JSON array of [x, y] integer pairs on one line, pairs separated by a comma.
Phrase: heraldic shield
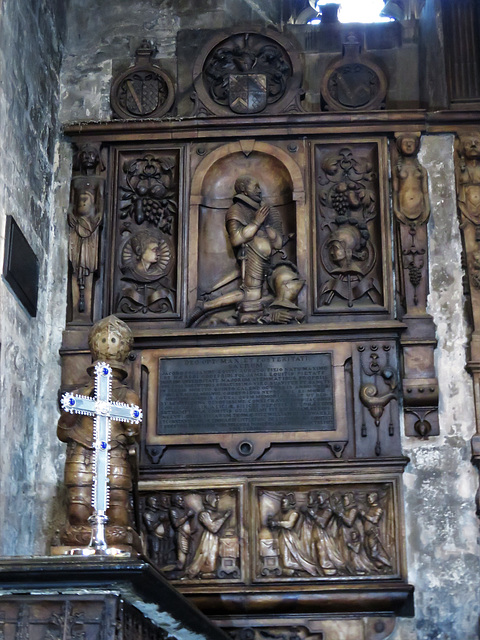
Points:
[[247, 92]]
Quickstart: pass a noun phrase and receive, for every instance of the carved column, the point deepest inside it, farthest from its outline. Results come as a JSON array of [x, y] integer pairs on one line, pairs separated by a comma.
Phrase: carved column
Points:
[[467, 175], [411, 209]]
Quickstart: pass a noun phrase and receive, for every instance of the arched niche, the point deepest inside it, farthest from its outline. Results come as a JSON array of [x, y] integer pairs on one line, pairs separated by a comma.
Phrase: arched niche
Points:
[[212, 258]]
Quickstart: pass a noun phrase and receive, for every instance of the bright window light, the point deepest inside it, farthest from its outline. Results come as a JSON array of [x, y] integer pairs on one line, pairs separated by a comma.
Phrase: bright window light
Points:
[[358, 11]]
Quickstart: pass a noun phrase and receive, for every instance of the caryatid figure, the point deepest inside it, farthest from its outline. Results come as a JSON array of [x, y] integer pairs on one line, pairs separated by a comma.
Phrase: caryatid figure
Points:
[[84, 217]]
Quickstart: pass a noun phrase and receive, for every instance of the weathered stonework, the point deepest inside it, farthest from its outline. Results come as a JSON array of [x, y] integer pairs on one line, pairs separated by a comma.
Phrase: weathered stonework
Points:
[[30, 371], [440, 482]]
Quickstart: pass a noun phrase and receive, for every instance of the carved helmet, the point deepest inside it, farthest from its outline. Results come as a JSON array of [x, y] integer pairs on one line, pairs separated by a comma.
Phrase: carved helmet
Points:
[[110, 339]]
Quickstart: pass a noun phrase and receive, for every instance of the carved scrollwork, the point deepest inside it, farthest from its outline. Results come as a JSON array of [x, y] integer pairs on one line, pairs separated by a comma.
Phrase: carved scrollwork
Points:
[[193, 535], [377, 393], [347, 203], [148, 233], [326, 532]]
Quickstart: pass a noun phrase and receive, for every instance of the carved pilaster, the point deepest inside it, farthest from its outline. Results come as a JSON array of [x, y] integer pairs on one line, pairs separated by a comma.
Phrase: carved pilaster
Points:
[[85, 215], [411, 209], [467, 175]]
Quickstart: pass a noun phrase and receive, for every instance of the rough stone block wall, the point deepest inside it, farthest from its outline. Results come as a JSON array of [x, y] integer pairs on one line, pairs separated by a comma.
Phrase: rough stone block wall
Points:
[[30, 57]]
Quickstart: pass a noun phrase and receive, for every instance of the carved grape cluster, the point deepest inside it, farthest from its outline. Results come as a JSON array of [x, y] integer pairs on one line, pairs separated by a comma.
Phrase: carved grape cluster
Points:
[[415, 274], [340, 202], [159, 213]]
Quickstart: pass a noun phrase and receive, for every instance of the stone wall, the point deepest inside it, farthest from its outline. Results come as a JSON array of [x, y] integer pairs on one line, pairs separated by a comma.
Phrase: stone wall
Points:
[[30, 57]]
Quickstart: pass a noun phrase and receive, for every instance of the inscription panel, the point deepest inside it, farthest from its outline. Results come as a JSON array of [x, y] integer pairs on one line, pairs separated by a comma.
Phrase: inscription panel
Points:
[[242, 394]]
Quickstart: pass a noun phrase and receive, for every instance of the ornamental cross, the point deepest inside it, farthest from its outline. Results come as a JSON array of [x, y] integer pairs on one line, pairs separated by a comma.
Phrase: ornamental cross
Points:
[[103, 410]]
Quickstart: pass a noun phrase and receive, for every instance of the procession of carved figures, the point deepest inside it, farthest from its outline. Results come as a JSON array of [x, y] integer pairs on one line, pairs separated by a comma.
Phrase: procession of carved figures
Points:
[[147, 234], [316, 533], [193, 534], [348, 222], [326, 532]]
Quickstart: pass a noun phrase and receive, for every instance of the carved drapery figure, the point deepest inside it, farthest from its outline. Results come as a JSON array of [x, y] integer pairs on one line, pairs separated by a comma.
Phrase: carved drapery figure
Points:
[[84, 217], [292, 554], [323, 547], [204, 563], [256, 235], [373, 544], [110, 340], [156, 519], [181, 518]]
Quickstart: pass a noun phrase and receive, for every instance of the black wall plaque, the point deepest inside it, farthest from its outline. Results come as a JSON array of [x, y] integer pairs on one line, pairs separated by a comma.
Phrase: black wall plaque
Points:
[[20, 267], [246, 394]]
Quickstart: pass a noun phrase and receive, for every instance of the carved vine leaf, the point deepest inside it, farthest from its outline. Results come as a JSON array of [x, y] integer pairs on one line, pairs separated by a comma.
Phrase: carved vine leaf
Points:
[[150, 192]]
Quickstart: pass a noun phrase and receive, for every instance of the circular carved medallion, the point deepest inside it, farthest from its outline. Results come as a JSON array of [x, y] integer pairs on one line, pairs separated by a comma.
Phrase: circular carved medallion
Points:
[[144, 90]]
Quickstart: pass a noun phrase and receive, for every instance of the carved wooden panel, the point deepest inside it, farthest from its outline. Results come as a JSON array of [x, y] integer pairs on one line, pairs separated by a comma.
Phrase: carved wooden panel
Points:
[[247, 259], [195, 534], [319, 532], [352, 249], [146, 233], [411, 208], [316, 529], [54, 617]]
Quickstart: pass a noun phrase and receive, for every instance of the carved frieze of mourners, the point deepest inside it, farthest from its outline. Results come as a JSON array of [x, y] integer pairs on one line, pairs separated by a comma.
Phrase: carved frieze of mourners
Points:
[[193, 535]]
